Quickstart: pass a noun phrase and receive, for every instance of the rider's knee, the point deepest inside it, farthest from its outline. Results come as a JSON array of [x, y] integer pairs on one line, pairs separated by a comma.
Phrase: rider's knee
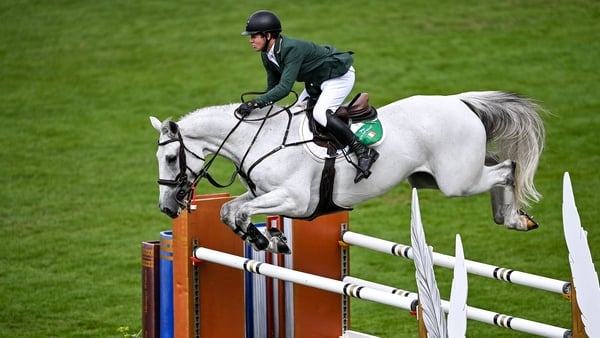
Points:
[[320, 115]]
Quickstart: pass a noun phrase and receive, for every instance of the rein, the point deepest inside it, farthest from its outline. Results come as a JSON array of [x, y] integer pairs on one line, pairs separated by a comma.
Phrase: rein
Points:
[[246, 176], [186, 189]]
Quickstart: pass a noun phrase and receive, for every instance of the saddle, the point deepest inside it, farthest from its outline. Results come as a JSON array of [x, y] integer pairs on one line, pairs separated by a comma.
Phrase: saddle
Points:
[[357, 110]]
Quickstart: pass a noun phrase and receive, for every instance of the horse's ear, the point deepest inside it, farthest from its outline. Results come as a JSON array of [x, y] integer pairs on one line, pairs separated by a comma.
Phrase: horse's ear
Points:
[[173, 128], [155, 123]]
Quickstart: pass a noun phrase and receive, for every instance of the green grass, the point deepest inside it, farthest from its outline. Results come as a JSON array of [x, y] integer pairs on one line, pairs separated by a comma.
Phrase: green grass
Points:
[[79, 79]]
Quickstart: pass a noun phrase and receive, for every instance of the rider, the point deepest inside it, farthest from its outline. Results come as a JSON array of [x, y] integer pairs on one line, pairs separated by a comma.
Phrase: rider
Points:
[[328, 75]]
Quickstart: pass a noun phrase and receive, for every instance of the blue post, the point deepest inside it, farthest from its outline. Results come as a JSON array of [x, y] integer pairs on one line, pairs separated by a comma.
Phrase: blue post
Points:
[[166, 284]]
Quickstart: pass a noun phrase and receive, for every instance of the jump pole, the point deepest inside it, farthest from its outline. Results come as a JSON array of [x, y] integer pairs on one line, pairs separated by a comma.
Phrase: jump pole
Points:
[[476, 268], [473, 313], [303, 278]]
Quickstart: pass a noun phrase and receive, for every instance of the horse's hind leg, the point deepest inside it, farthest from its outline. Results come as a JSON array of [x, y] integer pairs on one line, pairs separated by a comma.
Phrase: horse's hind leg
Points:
[[476, 180], [497, 196], [514, 218], [504, 207]]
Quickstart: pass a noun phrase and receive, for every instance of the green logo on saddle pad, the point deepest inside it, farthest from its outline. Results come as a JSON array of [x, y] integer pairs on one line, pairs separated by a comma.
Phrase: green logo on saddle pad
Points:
[[368, 132]]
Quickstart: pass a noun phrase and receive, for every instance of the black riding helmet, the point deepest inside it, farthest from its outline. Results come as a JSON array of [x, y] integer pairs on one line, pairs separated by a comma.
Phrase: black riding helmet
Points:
[[262, 22]]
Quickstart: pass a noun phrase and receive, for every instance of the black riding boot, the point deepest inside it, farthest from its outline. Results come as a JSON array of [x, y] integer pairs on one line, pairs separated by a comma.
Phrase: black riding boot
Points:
[[366, 156]]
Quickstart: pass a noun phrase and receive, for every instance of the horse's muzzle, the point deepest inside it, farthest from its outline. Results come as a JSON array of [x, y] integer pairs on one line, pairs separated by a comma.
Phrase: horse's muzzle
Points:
[[170, 212]]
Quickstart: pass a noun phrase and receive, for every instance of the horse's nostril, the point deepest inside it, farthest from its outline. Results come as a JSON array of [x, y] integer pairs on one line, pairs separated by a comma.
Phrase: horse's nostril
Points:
[[169, 212]]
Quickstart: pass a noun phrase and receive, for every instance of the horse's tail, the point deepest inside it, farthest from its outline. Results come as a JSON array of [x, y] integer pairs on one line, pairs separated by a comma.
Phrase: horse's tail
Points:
[[514, 131]]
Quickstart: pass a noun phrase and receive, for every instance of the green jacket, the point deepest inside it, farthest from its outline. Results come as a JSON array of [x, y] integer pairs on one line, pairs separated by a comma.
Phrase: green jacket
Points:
[[304, 62]]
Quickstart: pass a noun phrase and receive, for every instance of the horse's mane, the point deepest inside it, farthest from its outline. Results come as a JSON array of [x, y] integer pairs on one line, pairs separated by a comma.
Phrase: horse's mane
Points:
[[228, 109], [225, 109], [194, 116]]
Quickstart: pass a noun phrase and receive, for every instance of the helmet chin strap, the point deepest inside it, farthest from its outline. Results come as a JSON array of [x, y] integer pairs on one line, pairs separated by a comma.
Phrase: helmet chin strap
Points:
[[267, 42]]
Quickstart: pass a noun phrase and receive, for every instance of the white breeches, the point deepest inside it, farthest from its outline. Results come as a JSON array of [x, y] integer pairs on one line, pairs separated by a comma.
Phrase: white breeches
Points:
[[333, 94]]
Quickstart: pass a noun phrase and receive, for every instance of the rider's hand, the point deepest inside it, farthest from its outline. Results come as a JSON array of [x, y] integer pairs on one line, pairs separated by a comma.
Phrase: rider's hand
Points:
[[245, 108]]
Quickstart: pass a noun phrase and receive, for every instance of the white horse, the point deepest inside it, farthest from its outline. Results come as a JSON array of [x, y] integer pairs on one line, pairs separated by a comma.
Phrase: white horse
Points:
[[462, 144]]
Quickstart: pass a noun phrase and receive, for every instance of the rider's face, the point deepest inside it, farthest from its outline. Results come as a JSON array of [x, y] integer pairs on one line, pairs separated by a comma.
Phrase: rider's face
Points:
[[258, 41]]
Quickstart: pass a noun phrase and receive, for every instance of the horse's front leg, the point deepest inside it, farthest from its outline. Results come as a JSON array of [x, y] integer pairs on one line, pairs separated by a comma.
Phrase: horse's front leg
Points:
[[247, 231], [229, 209], [277, 202]]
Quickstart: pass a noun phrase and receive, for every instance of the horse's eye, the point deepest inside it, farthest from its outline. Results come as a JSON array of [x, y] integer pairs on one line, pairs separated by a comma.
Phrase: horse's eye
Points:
[[171, 158]]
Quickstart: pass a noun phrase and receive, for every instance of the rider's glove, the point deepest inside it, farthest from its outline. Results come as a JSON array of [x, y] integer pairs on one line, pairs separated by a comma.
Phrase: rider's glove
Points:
[[245, 108]]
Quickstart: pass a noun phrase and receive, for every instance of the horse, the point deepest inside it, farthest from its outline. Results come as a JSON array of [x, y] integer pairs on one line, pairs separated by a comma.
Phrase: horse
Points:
[[462, 144]]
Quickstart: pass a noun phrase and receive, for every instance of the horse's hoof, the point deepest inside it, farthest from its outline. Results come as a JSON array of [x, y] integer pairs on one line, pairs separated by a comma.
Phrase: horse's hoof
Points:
[[527, 221], [259, 243], [278, 242], [256, 238], [274, 232], [283, 248]]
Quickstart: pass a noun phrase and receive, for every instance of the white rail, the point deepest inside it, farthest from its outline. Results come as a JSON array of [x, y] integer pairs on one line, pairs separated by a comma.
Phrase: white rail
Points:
[[303, 278], [476, 268], [485, 316]]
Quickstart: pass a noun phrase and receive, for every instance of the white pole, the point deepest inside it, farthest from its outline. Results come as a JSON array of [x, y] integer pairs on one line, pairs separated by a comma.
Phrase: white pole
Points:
[[485, 316], [381, 287], [304, 278], [367, 293], [476, 268]]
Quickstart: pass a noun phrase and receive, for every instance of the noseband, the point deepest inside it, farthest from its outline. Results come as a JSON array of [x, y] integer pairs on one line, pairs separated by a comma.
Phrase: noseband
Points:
[[181, 183]]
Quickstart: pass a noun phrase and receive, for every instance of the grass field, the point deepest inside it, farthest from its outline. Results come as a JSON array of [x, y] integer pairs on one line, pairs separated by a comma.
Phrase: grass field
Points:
[[78, 80]]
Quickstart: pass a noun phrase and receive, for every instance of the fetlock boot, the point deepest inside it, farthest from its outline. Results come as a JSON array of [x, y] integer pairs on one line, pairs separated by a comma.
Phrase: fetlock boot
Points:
[[366, 156]]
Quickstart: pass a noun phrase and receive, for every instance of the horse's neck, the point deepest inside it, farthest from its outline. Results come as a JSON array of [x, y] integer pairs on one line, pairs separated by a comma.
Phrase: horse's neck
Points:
[[204, 129], [207, 129]]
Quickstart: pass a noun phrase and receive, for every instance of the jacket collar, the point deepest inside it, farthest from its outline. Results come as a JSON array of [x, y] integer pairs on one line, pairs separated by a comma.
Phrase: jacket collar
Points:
[[278, 45]]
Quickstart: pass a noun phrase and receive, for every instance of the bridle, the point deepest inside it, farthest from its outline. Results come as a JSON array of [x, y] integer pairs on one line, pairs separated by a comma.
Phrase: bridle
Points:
[[185, 187], [181, 183]]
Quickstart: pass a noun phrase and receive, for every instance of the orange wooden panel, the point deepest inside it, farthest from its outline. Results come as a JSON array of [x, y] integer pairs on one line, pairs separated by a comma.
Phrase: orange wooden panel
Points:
[[316, 250], [221, 289]]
